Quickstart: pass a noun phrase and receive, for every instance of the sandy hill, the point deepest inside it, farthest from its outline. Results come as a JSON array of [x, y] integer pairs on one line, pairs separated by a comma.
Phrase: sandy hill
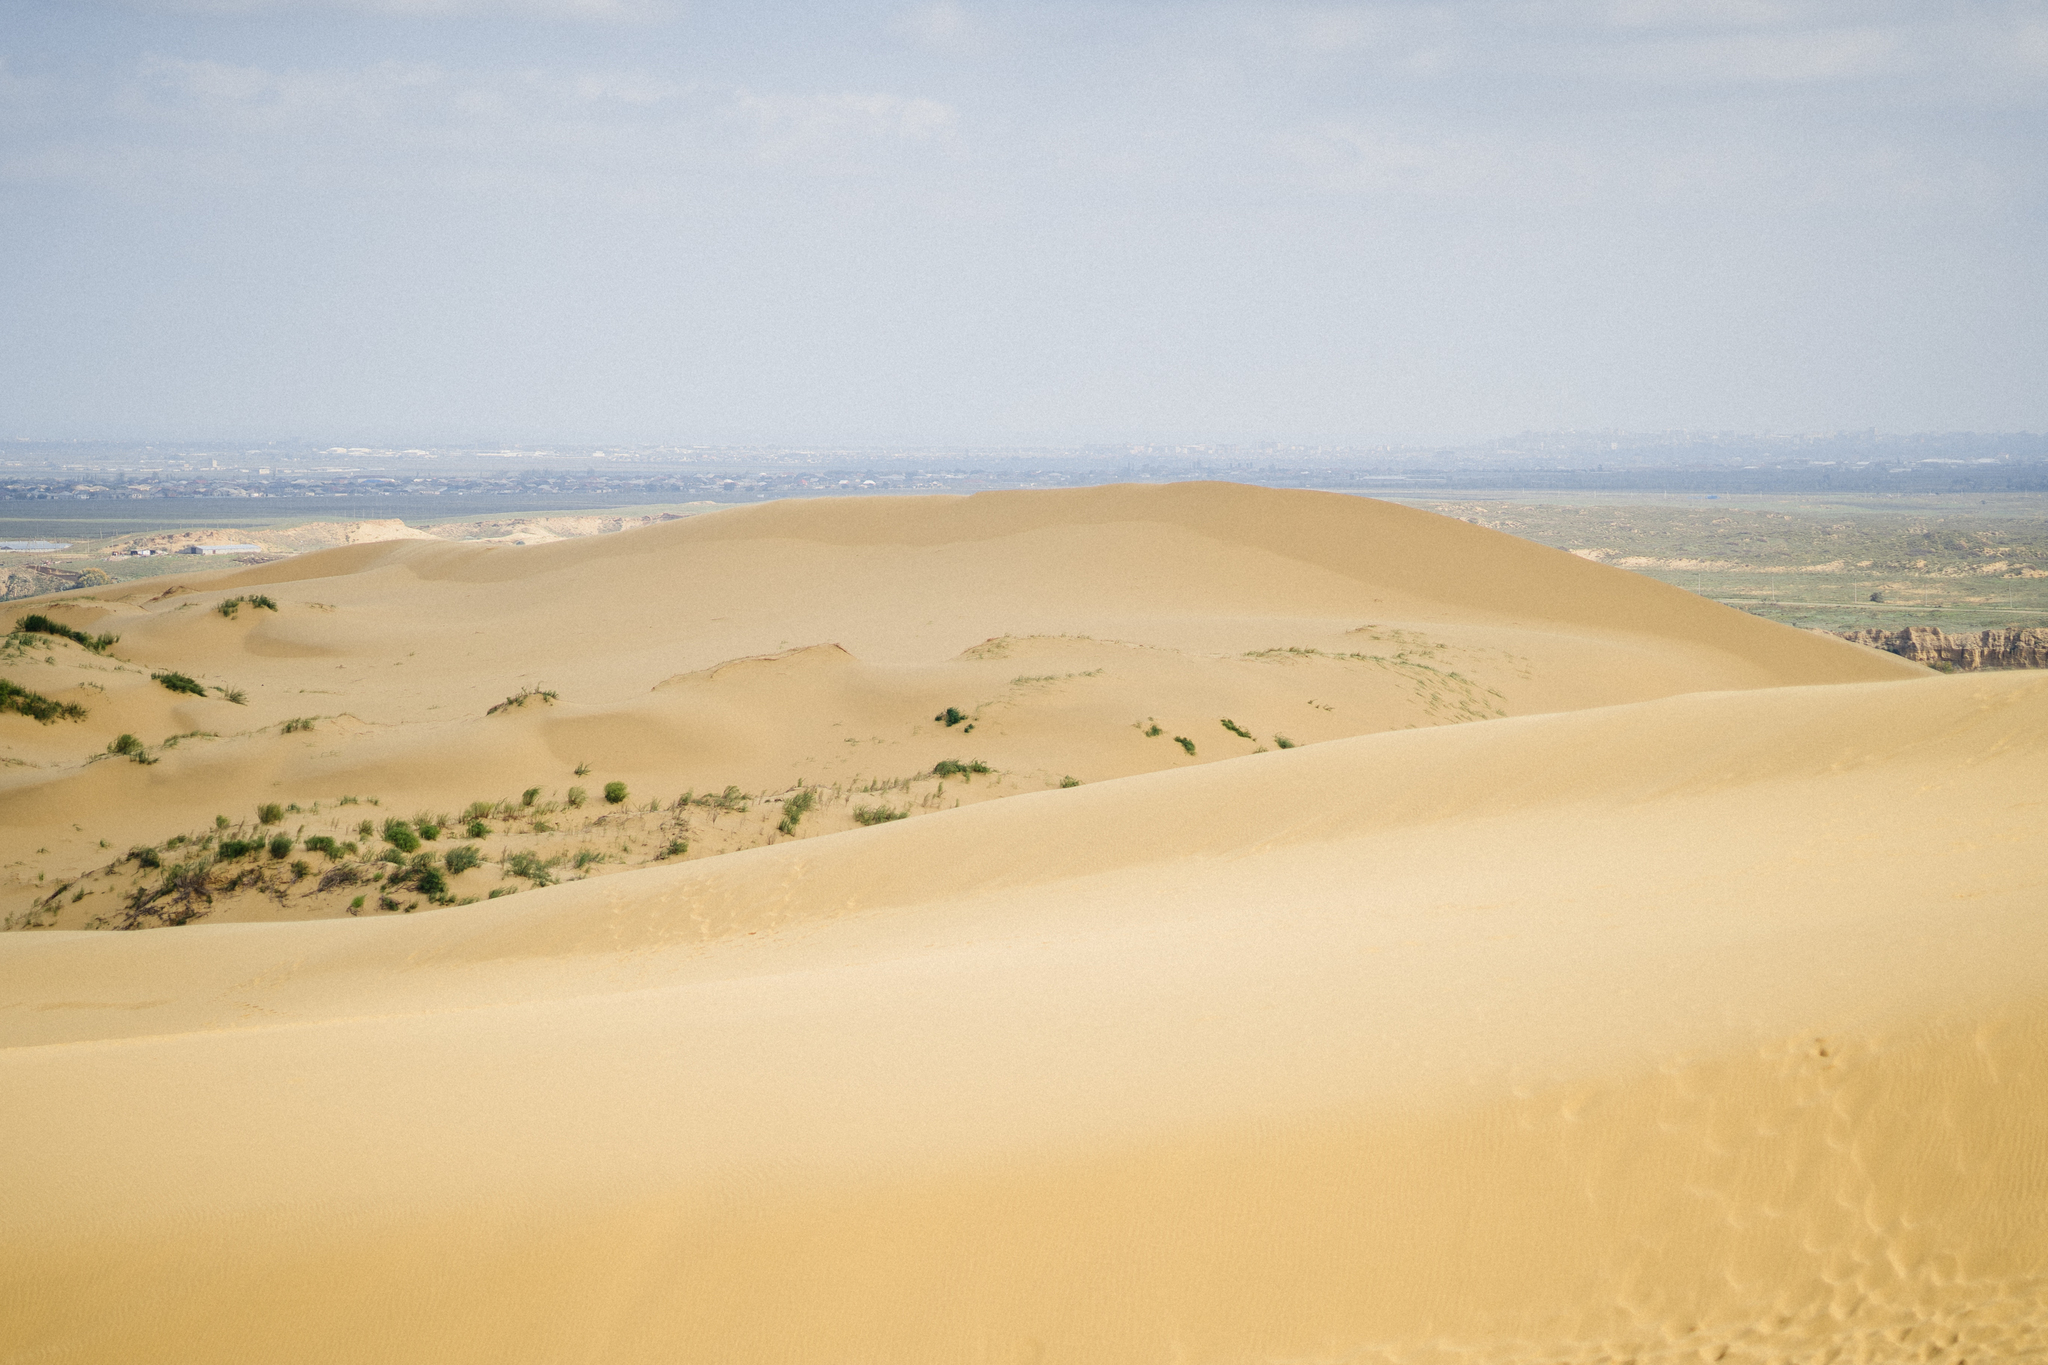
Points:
[[719, 665], [1708, 1028]]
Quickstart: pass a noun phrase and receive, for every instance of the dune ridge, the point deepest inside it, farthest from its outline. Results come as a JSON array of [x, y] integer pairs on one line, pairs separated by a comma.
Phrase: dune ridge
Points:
[[1441, 1045]]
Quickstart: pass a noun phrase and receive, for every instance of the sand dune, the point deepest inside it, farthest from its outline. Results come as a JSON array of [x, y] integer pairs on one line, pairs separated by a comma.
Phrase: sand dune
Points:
[[1707, 1028], [806, 644]]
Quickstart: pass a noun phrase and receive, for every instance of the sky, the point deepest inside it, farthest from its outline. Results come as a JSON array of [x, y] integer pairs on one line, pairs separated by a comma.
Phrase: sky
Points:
[[1018, 223]]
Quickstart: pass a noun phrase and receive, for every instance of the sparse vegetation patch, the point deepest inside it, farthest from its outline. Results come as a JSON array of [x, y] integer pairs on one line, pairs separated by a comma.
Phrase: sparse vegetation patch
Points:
[[953, 767], [178, 682], [35, 623], [36, 706], [877, 815], [519, 699]]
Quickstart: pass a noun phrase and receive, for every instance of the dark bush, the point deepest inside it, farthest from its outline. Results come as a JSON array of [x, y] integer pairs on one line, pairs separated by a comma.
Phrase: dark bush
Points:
[[269, 813], [178, 682], [614, 792], [324, 843], [1237, 729], [238, 848], [280, 846], [36, 706], [951, 716], [877, 815], [38, 624], [1185, 743], [400, 836], [953, 767], [126, 745], [462, 858], [477, 830], [794, 807]]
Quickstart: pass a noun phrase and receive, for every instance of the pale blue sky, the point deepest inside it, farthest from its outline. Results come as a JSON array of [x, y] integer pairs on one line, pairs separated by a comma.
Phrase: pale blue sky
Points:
[[634, 220]]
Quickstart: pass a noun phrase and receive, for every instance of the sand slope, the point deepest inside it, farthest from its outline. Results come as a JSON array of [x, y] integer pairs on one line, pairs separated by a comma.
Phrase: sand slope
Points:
[[811, 643], [1706, 1028]]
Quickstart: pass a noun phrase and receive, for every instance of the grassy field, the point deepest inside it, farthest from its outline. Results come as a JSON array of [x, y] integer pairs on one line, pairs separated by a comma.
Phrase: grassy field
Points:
[[1830, 562]]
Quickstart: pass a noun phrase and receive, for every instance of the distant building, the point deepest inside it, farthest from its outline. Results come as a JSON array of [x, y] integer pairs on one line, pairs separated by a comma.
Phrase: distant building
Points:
[[221, 549]]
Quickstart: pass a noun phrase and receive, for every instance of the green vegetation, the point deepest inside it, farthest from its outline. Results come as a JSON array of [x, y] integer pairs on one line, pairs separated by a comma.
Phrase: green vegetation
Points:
[[1153, 732], [586, 856], [1237, 729], [521, 698], [794, 807], [476, 829], [128, 746], [731, 799], [614, 793], [676, 848], [462, 858], [178, 682], [229, 606], [324, 843], [582, 769], [38, 624], [400, 835], [1283, 741], [239, 848], [1070, 782], [527, 797], [951, 716], [429, 826], [280, 846], [269, 813], [953, 767], [528, 864], [575, 796], [36, 706], [877, 815], [1185, 743], [298, 723]]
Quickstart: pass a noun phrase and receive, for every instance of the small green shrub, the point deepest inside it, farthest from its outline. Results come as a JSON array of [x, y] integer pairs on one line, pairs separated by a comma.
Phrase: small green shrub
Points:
[[1237, 729], [953, 767], [431, 884], [1185, 743], [348, 801], [269, 813], [951, 716], [877, 815], [794, 808], [582, 769], [521, 698], [527, 797], [576, 796], [234, 694], [526, 863], [299, 723], [147, 857], [462, 858], [1154, 732], [36, 706], [477, 829], [280, 846], [1283, 741], [479, 810], [38, 624], [239, 848], [126, 745], [586, 856], [614, 793], [301, 869], [429, 827], [178, 682], [365, 829], [257, 599], [731, 799], [324, 843], [676, 848], [400, 835], [1070, 782]]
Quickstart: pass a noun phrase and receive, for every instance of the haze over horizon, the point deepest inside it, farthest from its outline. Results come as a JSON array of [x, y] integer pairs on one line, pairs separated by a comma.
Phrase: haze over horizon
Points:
[[629, 220]]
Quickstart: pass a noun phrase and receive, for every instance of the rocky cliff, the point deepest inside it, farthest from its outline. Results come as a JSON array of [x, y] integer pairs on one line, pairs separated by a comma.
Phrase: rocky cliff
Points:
[[2011, 647]]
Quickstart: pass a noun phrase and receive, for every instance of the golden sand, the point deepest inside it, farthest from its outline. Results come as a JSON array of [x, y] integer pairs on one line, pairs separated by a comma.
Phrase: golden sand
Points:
[[1648, 1021]]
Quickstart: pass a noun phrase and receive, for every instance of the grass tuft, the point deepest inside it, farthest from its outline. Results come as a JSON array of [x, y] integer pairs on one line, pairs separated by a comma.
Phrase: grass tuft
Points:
[[794, 808], [953, 767], [877, 815], [1185, 743], [178, 682], [36, 706], [36, 623]]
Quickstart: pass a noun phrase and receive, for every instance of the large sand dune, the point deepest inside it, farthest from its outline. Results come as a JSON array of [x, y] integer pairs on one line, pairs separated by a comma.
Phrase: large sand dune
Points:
[[772, 647], [1709, 1028], [1607, 977]]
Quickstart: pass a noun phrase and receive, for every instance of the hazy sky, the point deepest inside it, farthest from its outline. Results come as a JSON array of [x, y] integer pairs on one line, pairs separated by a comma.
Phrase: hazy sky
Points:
[[447, 220]]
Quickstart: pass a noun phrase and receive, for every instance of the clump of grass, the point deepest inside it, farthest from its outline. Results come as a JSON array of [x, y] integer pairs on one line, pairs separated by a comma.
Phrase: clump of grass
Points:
[[528, 864], [575, 796], [586, 856], [238, 848], [127, 746], [794, 807], [1154, 732], [1237, 729], [400, 835], [479, 810], [324, 843], [676, 848], [1283, 741], [36, 706], [877, 815], [462, 858], [296, 724], [614, 793], [731, 799], [521, 698], [269, 813], [146, 857], [1185, 743], [476, 829], [527, 797], [301, 869], [953, 767], [582, 770], [951, 716], [229, 606], [1070, 782], [234, 694], [280, 846], [38, 624], [429, 826], [348, 801], [178, 682]]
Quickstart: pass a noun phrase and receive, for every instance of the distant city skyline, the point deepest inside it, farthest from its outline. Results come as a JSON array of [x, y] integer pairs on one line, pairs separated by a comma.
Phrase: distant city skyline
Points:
[[452, 222]]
